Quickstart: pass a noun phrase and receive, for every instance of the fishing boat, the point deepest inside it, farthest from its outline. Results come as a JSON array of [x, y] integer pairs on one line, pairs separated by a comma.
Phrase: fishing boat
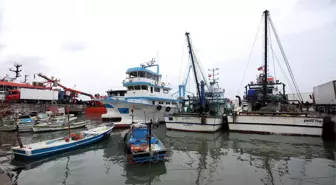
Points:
[[48, 127], [268, 109], [45, 117], [143, 146], [56, 113], [51, 147], [25, 123], [115, 115], [147, 91], [25, 119], [202, 113]]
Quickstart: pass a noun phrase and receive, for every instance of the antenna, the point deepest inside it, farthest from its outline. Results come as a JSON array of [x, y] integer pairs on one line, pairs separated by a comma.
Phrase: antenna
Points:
[[25, 79], [17, 70], [212, 76]]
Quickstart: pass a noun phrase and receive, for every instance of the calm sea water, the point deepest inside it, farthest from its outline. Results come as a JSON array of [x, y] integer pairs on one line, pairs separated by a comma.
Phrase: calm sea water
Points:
[[195, 158]]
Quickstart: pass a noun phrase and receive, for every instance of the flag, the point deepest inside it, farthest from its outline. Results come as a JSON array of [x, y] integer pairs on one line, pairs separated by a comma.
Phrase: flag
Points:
[[260, 68], [209, 75]]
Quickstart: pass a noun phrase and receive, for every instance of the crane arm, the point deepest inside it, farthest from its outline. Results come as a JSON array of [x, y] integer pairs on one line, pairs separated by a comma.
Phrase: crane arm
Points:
[[62, 86], [187, 77]]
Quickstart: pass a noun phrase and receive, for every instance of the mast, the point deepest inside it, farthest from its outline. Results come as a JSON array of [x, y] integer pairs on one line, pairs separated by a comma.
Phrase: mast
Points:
[[265, 65], [193, 64]]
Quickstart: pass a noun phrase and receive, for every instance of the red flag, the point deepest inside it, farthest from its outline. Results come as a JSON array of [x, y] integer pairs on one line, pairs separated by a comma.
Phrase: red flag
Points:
[[209, 75], [260, 68]]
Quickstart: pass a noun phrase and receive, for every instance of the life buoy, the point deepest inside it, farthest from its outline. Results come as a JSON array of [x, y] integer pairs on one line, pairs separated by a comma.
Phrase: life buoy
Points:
[[167, 109], [159, 107]]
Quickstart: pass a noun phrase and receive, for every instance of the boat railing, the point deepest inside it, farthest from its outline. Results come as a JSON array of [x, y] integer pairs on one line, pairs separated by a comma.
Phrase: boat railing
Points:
[[306, 114], [152, 81]]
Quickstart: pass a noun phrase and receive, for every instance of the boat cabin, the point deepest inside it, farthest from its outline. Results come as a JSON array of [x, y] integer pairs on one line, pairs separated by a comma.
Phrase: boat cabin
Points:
[[146, 86], [116, 93]]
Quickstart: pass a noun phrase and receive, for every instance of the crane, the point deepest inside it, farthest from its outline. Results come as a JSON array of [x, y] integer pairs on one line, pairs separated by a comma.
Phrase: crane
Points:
[[197, 70], [182, 87], [55, 82]]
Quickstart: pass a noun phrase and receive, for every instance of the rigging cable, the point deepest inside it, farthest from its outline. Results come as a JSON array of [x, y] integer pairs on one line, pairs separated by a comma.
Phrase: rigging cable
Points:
[[286, 61], [283, 71], [182, 61], [200, 67], [250, 56]]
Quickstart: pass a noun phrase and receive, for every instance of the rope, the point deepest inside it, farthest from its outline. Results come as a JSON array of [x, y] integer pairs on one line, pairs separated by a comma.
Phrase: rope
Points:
[[286, 61], [270, 42], [255, 39], [282, 70]]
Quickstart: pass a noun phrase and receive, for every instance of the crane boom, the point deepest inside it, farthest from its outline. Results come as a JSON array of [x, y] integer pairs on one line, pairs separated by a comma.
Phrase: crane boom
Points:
[[55, 81]]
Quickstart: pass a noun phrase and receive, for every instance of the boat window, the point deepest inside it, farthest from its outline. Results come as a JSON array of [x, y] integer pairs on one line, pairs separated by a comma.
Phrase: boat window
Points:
[[130, 88], [174, 103], [168, 103], [157, 89], [133, 74], [141, 74], [144, 87], [137, 87], [165, 91], [151, 89], [149, 75], [122, 94], [160, 102]]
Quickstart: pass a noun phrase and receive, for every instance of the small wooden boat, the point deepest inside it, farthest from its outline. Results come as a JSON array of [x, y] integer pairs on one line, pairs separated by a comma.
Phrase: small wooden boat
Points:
[[51, 147], [47, 127], [141, 148]]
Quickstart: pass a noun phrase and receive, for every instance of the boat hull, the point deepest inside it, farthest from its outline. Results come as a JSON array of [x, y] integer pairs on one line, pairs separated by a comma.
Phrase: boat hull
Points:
[[120, 113], [50, 128], [31, 154], [284, 125], [193, 123]]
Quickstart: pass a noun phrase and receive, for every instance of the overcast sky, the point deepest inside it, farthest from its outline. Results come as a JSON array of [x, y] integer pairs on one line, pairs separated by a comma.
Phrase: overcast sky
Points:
[[92, 43]]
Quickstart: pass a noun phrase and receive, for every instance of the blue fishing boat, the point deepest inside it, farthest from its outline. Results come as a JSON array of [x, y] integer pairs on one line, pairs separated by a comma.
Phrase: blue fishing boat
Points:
[[75, 140], [143, 146]]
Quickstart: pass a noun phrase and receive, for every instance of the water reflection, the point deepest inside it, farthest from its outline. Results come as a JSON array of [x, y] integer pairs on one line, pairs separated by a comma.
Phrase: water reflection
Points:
[[281, 156], [196, 158], [208, 151]]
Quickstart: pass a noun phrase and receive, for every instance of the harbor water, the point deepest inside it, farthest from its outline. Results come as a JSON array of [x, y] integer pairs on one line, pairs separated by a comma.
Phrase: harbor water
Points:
[[194, 158]]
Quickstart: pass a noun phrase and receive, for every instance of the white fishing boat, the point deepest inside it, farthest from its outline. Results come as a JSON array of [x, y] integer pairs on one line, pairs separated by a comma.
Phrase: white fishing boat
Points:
[[268, 109], [51, 147], [58, 113], [49, 127], [25, 123], [204, 112], [146, 92]]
